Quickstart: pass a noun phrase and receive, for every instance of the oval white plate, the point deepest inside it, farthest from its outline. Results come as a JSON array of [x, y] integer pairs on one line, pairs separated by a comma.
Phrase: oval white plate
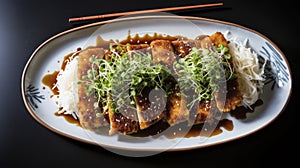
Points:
[[46, 59]]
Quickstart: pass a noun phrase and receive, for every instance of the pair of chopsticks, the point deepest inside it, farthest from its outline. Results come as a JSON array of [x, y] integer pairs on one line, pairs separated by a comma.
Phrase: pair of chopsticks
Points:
[[87, 18]]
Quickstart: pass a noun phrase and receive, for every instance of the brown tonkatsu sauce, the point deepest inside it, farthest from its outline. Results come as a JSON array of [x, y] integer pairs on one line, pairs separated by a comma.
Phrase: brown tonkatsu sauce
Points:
[[49, 80], [69, 118], [241, 112], [146, 39], [162, 128]]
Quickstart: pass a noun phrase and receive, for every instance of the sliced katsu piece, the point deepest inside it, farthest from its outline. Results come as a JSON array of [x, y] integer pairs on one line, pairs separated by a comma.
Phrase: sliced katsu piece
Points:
[[163, 53], [127, 119], [150, 104], [229, 96], [183, 46], [124, 120], [193, 111], [206, 108], [202, 112], [150, 107], [177, 111], [89, 116]]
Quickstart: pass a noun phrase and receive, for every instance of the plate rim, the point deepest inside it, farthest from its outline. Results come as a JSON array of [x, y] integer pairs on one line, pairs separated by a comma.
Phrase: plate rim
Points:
[[130, 18]]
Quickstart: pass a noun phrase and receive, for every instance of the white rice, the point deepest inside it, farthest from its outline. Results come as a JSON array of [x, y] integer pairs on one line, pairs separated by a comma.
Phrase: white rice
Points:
[[67, 86]]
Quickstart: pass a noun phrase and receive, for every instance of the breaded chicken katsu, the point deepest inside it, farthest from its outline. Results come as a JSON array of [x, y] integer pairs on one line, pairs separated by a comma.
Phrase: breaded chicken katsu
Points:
[[130, 87]]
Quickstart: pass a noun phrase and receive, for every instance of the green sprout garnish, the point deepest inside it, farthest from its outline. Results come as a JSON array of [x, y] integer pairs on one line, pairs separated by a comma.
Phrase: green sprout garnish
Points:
[[127, 74], [202, 70]]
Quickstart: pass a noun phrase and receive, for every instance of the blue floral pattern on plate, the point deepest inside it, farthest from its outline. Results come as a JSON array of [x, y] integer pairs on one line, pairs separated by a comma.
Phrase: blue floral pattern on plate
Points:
[[276, 70], [33, 96]]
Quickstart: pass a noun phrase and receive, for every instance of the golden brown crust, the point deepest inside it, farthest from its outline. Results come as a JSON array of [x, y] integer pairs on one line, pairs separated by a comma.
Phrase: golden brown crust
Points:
[[183, 47], [150, 107], [138, 47], [199, 112], [124, 121], [177, 111], [218, 38], [163, 52], [229, 96]]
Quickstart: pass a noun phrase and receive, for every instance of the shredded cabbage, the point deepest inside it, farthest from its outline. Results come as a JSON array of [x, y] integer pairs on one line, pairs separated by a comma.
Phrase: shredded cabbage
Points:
[[250, 72]]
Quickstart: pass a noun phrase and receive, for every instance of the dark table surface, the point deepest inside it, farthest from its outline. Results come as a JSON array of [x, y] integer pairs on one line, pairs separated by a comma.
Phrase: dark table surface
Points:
[[24, 25]]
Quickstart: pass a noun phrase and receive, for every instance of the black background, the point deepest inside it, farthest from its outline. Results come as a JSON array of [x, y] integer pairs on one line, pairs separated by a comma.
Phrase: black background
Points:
[[24, 25]]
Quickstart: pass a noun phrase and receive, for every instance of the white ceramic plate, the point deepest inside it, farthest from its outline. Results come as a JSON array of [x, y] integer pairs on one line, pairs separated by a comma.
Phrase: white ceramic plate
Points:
[[46, 59]]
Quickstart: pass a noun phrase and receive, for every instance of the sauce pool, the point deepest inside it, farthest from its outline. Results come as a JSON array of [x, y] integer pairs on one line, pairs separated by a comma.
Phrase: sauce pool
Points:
[[241, 112], [49, 80], [182, 131], [68, 118], [146, 39]]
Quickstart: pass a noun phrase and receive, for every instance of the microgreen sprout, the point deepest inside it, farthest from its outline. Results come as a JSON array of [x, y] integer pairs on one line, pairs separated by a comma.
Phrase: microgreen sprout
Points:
[[202, 70], [127, 73], [123, 77]]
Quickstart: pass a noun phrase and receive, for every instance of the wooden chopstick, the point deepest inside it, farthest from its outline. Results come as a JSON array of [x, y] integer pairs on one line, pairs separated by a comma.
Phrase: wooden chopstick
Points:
[[86, 18]]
